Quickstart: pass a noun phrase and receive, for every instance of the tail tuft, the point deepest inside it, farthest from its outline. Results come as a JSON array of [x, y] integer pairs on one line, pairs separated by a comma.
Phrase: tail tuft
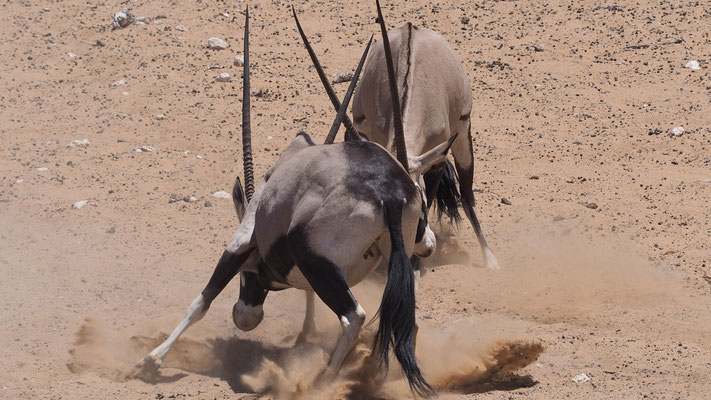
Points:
[[397, 326], [448, 198]]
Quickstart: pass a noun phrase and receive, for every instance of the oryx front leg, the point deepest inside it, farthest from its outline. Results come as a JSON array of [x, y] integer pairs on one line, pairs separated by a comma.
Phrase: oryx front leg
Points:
[[309, 328], [228, 266]]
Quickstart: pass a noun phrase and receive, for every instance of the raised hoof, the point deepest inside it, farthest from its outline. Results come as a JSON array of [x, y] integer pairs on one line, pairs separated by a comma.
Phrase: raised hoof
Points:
[[145, 370]]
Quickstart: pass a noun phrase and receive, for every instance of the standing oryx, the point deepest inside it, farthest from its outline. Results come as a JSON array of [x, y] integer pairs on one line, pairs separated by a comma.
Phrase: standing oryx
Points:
[[436, 103], [323, 218]]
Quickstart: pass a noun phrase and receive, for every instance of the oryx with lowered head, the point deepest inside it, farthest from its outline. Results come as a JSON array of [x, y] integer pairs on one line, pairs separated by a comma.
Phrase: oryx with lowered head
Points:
[[322, 219], [436, 103]]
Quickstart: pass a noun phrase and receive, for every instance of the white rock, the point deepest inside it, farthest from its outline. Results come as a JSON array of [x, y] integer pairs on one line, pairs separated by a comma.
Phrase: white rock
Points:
[[71, 55], [222, 195], [190, 199], [693, 65], [144, 149], [581, 378], [239, 60], [181, 28], [124, 93], [120, 82], [678, 131], [122, 19], [342, 77], [22, 180], [223, 77], [160, 117], [79, 143], [707, 180], [42, 169], [216, 43], [79, 204]]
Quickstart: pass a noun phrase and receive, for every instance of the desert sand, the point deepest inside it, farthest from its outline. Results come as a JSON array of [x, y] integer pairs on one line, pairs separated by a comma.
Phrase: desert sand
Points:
[[605, 248]]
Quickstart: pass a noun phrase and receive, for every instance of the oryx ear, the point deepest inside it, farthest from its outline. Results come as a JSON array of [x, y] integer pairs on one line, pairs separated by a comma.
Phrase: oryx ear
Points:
[[239, 199], [424, 162]]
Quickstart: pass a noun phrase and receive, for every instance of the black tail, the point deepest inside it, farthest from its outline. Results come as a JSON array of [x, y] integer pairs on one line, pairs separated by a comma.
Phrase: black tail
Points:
[[397, 308], [448, 197]]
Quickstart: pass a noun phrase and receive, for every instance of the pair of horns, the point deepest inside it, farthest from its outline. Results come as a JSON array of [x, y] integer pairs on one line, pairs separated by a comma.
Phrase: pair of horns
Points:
[[351, 132]]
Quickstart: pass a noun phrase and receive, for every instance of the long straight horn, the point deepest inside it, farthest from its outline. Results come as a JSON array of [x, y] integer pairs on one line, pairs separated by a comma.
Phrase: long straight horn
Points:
[[397, 114], [347, 99], [351, 132], [246, 128]]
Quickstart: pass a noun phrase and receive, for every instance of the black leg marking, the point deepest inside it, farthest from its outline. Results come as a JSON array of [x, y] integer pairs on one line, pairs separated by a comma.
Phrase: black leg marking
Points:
[[226, 269]]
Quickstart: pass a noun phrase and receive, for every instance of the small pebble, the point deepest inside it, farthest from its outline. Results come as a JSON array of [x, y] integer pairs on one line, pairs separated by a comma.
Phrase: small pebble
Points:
[[144, 149], [239, 60], [223, 77], [693, 65], [216, 44], [79, 204], [539, 47], [591, 206], [207, 204], [506, 201], [180, 28], [190, 199], [558, 218], [79, 143], [581, 378], [222, 195], [678, 131], [342, 77], [160, 117]]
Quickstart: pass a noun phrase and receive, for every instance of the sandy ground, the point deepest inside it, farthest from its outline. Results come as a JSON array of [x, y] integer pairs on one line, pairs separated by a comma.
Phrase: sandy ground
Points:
[[619, 292]]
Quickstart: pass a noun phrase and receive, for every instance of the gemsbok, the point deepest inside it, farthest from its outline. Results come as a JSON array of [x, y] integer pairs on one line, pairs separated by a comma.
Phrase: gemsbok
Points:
[[322, 219], [436, 103]]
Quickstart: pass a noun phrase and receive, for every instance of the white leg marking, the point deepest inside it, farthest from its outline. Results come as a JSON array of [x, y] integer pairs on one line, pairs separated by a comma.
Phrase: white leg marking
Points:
[[154, 359], [490, 259], [309, 327], [350, 326]]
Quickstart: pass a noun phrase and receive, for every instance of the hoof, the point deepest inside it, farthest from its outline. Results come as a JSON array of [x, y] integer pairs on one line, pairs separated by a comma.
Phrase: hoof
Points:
[[145, 370]]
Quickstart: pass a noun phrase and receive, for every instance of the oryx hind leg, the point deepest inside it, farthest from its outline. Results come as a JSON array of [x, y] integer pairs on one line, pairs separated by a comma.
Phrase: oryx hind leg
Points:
[[328, 282], [464, 163], [227, 267]]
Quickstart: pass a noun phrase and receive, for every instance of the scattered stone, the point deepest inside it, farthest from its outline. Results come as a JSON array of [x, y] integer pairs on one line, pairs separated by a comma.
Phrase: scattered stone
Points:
[[120, 82], [539, 47], [111, 230], [79, 143], [42, 169], [223, 77], [190, 199], [591, 206], [655, 131], [239, 60], [207, 204], [558, 218], [707, 180], [160, 117], [464, 19], [180, 28], [342, 77], [123, 19], [174, 197], [79, 204], [506, 201], [99, 43], [144, 149], [693, 65], [534, 177], [216, 44], [678, 131], [71, 55], [581, 378], [19, 181], [222, 195]]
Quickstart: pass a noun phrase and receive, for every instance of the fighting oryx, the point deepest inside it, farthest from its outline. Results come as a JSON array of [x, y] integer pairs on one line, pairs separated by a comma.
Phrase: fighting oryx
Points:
[[322, 219], [436, 102]]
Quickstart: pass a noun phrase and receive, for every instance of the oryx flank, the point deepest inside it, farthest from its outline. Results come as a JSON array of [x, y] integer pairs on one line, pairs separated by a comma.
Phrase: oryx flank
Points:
[[436, 103], [322, 219]]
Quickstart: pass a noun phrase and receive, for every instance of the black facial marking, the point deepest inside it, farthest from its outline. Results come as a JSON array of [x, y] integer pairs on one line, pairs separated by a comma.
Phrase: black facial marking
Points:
[[252, 290]]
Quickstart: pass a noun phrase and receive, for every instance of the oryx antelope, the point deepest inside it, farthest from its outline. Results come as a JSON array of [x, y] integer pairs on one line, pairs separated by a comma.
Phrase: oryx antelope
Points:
[[322, 219], [436, 102]]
